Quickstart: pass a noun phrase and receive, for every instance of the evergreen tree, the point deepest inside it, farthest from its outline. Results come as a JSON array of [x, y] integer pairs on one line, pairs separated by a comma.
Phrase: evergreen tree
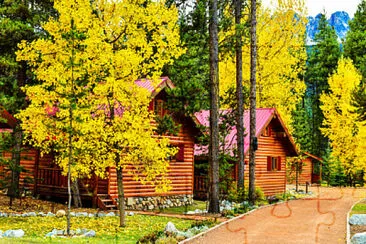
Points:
[[322, 61], [19, 20], [355, 44], [190, 72], [359, 101]]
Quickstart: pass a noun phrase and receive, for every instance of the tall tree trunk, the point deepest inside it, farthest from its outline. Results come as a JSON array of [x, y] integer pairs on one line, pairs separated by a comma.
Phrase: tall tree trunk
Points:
[[76, 193], [13, 190], [214, 110], [239, 96], [253, 71], [121, 196]]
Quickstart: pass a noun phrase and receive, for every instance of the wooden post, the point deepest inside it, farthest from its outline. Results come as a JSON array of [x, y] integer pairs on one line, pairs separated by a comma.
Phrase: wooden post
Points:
[[95, 191], [36, 167]]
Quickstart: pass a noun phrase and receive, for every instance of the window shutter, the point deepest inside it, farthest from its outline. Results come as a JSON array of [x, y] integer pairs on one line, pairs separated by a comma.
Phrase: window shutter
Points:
[[279, 163], [180, 155], [269, 163]]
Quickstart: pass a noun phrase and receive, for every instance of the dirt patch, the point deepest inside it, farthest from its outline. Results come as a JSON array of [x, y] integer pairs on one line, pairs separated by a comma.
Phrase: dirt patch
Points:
[[29, 204], [357, 229]]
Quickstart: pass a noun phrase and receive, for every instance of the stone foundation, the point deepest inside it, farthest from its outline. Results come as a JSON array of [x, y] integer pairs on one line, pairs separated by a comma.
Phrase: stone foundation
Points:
[[160, 202]]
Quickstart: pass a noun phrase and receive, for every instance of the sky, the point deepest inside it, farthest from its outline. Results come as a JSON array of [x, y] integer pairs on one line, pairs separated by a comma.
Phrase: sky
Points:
[[330, 6]]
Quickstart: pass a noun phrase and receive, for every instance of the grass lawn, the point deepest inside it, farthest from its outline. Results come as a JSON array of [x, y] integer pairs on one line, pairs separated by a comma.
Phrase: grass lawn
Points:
[[359, 208], [36, 228]]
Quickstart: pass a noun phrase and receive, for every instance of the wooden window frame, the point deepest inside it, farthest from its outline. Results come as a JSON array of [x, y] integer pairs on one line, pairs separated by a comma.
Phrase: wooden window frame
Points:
[[273, 163], [267, 132]]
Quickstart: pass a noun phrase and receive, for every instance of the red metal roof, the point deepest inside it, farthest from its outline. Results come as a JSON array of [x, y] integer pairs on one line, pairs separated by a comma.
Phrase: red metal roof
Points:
[[148, 84], [263, 118]]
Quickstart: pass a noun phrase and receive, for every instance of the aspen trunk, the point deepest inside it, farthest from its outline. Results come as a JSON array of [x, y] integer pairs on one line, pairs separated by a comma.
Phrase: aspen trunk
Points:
[[121, 197]]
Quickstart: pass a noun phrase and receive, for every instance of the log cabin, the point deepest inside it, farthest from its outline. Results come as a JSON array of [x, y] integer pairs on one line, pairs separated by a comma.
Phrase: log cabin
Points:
[[102, 193], [275, 144], [310, 170]]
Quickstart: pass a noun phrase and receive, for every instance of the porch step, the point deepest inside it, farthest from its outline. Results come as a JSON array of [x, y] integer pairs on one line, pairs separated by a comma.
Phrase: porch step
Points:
[[106, 202]]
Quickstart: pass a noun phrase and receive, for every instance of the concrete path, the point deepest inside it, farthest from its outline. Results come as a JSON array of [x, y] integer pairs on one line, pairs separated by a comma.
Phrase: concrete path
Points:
[[320, 219]]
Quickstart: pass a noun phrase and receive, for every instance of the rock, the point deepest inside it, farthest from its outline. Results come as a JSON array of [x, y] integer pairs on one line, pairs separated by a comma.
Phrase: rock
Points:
[[91, 215], [60, 213], [72, 214], [90, 233], [25, 215], [191, 212], [151, 207], [101, 214], [49, 214], [42, 214], [170, 228], [358, 219], [14, 233], [359, 238], [131, 214], [3, 215], [32, 214], [111, 214], [168, 202], [82, 214], [1, 234]]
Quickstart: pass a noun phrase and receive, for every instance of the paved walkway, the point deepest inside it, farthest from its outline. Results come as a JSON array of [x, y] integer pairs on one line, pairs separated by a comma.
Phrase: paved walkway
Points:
[[320, 219]]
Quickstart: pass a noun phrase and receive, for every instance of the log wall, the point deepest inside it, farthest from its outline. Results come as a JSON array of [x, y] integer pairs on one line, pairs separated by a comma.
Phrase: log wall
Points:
[[273, 145], [180, 172], [304, 176]]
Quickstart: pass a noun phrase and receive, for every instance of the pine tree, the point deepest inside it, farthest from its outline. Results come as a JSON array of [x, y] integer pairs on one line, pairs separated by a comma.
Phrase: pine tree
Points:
[[322, 61], [355, 45], [19, 20]]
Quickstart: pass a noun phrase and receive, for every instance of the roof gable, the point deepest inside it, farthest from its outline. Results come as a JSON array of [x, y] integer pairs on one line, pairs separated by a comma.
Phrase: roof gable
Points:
[[10, 120], [264, 116]]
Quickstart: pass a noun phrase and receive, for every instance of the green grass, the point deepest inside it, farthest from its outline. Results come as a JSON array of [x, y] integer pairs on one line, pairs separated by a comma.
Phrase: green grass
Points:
[[107, 229], [181, 210], [359, 208]]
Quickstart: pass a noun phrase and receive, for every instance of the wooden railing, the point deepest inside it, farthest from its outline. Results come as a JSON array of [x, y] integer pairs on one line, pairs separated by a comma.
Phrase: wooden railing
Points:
[[51, 177]]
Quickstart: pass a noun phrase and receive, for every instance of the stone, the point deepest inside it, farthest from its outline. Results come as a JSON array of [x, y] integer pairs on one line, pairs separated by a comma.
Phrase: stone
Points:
[[1, 234], [32, 214], [170, 228], [82, 214], [25, 215], [72, 214], [42, 214], [101, 214], [14, 233], [191, 212], [151, 207], [49, 214], [3, 215], [90, 215], [90, 233], [358, 219], [131, 214], [168, 202], [111, 214], [60, 213], [359, 238]]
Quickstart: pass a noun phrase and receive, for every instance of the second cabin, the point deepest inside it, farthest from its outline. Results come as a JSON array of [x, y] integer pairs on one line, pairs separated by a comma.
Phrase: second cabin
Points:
[[275, 145]]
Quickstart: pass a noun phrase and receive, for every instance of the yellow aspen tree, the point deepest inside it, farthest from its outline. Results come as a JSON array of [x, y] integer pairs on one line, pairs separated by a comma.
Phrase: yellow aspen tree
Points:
[[115, 43], [281, 57], [346, 134]]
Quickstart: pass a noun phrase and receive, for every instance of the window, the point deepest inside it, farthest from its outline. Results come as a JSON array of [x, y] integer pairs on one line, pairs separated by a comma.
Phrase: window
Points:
[[179, 157], [159, 107], [266, 131], [273, 163]]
